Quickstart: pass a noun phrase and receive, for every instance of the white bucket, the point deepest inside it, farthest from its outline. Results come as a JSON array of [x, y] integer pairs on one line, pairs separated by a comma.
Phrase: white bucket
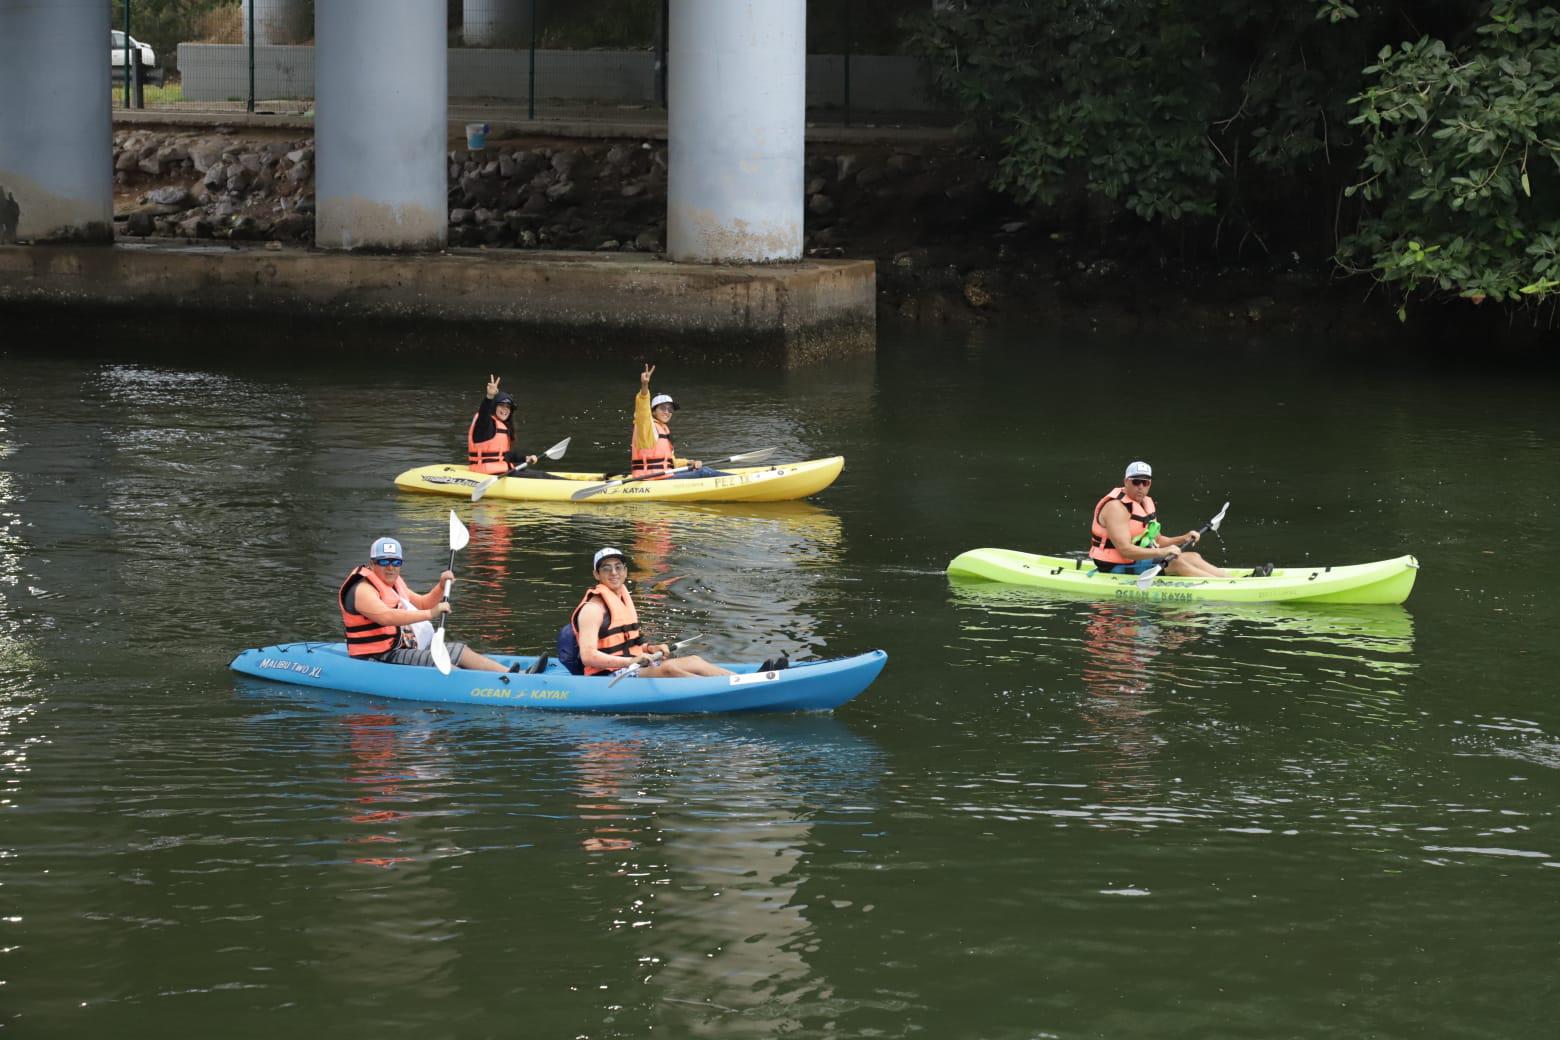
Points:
[[476, 135]]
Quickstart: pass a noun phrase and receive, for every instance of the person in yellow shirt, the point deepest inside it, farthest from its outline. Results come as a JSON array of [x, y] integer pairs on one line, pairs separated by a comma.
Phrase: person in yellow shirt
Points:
[[653, 456]]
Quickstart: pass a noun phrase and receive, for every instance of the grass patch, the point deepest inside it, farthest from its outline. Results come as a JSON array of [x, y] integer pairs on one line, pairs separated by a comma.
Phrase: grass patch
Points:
[[167, 94]]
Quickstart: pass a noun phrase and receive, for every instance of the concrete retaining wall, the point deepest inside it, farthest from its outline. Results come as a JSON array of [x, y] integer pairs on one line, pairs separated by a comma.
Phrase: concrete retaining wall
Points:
[[220, 72], [537, 304]]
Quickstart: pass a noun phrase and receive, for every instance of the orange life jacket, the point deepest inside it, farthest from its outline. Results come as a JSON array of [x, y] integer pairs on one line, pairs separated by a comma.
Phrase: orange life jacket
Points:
[[619, 632], [657, 460], [488, 456], [366, 638], [1138, 519]]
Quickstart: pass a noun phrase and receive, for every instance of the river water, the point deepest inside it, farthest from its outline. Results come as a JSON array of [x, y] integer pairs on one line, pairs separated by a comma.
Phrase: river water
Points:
[[1048, 818]]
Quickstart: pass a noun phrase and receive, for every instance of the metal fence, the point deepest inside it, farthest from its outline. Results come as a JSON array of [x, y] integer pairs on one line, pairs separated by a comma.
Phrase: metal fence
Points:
[[509, 60]]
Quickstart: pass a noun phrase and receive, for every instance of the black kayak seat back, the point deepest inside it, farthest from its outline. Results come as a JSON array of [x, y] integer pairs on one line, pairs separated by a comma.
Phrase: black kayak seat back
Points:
[[569, 651]]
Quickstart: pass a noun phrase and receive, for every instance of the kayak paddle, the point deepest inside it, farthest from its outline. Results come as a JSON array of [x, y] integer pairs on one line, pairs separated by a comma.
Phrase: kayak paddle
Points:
[[747, 456], [633, 669], [555, 453], [459, 536], [1147, 577]]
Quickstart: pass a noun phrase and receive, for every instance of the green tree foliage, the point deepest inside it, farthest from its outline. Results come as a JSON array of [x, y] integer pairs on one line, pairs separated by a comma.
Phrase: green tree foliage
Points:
[[1188, 119], [1460, 165], [1173, 110], [167, 23]]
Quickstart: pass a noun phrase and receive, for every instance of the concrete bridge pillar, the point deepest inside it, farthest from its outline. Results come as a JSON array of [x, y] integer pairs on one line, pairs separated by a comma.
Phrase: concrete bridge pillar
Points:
[[380, 124], [496, 23], [736, 106], [278, 21], [56, 137]]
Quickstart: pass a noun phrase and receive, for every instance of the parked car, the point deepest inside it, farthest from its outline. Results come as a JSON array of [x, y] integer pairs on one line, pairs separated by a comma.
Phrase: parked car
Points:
[[116, 57]]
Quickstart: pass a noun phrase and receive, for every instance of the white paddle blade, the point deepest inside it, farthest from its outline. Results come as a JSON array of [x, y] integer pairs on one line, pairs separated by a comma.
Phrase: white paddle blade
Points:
[[440, 653], [459, 536], [1213, 525], [478, 491], [753, 456], [623, 673], [556, 452], [1147, 577]]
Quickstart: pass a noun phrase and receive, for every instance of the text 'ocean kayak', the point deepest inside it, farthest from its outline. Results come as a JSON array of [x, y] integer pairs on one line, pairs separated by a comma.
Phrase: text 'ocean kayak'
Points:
[[779, 483], [805, 686], [1386, 581]]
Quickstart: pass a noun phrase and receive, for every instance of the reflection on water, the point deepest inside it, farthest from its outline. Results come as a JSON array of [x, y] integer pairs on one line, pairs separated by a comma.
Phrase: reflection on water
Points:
[[1138, 644], [1148, 679], [700, 827]]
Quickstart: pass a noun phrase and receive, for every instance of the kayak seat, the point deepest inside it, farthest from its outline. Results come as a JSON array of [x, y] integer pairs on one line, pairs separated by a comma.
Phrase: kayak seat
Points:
[[569, 651]]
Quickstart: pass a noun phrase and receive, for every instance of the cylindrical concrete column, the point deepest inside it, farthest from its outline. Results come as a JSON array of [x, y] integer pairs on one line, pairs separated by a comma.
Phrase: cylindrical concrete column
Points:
[[496, 23], [381, 76], [278, 21], [736, 106], [56, 136]]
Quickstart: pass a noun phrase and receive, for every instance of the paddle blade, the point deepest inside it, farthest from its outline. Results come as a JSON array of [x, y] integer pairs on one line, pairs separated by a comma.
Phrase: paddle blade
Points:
[[753, 456], [480, 490], [594, 489], [1213, 525], [557, 450], [1147, 577], [623, 673], [440, 653], [459, 536]]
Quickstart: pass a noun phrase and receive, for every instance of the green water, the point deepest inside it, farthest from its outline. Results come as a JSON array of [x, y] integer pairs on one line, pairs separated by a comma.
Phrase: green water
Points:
[[1048, 818]]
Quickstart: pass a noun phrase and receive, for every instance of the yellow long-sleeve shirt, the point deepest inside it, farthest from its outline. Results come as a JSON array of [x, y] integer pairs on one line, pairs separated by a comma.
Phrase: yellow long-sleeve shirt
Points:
[[644, 425]]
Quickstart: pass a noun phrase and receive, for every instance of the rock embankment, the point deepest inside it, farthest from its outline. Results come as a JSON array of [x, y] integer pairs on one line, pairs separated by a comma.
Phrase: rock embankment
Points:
[[947, 248], [527, 195]]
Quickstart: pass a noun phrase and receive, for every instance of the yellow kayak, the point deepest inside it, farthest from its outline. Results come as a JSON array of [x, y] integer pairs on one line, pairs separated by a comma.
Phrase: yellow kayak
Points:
[[778, 483]]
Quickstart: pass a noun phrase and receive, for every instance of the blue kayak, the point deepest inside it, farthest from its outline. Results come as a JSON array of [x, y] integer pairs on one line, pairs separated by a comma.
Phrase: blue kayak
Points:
[[805, 686]]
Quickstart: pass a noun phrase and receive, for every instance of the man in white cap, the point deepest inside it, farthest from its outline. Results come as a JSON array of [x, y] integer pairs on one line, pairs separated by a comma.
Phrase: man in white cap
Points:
[[652, 455], [605, 629], [386, 621], [1125, 536]]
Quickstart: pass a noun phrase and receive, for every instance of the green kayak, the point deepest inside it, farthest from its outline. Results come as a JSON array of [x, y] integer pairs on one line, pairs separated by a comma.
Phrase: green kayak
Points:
[[1386, 581]]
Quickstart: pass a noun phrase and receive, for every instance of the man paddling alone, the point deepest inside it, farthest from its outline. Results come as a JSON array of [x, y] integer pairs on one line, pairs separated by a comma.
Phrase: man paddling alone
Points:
[[605, 627], [386, 621], [652, 455], [1125, 536], [490, 440]]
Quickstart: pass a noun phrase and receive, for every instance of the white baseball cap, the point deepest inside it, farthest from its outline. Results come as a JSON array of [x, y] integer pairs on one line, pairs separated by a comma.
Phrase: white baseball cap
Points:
[[607, 553], [659, 399], [1138, 469], [385, 548]]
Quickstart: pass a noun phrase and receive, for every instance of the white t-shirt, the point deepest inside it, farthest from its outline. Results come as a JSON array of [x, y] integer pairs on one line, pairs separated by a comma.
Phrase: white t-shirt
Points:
[[419, 634]]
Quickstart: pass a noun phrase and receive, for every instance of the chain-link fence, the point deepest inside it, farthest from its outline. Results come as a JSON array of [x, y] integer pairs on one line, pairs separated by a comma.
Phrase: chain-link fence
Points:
[[509, 60]]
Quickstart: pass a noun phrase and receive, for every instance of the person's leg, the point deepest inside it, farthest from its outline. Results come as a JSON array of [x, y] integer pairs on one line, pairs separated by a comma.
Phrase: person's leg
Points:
[[1192, 565], [693, 664], [1203, 567], [682, 668], [469, 658]]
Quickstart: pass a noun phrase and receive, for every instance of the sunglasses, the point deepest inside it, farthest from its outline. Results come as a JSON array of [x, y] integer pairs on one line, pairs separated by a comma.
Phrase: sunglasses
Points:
[[387, 562], [613, 567], [1140, 481]]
